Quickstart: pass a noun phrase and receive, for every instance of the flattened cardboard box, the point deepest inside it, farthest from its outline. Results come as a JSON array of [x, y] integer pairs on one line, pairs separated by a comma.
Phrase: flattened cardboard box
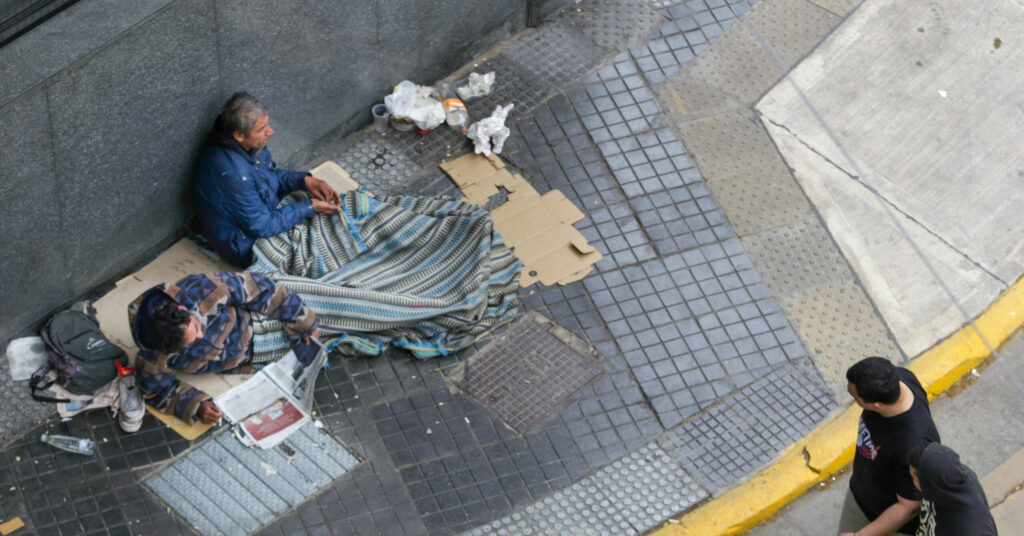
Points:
[[537, 227]]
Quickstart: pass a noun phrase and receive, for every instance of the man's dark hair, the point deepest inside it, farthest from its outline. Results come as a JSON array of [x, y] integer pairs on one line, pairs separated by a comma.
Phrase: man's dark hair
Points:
[[165, 331], [875, 379], [914, 456], [239, 114]]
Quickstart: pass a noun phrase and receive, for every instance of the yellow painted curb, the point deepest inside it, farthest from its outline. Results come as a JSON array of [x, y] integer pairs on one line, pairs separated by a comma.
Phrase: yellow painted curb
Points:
[[830, 447]]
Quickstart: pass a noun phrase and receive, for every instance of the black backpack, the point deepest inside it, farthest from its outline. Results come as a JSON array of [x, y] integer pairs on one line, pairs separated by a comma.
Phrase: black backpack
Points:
[[79, 352]]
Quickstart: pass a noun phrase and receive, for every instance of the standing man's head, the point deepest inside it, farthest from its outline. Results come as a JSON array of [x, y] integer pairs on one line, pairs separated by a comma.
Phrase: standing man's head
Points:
[[245, 120], [873, 382]]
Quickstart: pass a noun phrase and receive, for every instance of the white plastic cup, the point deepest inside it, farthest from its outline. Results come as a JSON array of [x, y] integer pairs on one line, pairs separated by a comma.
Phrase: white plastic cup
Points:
[[380, 117]]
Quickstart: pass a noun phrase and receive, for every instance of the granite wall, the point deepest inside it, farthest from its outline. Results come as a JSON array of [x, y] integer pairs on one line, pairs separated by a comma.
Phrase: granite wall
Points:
[[103, 109]]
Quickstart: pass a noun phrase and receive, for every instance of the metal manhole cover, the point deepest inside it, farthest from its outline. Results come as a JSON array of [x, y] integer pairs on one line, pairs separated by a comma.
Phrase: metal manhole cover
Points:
[[525, 374]]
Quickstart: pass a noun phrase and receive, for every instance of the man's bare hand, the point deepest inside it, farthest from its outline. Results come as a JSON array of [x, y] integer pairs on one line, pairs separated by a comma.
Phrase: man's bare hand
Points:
[[321, 190], [314, 335], [208, 412], [324, 207]]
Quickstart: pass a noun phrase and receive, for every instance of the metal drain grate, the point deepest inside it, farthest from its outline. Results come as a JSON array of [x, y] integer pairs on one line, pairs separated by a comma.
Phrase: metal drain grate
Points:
[[528, 372], [222, 487]]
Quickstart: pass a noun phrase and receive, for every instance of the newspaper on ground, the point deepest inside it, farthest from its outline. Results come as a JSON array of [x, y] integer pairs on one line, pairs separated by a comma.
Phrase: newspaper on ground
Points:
[[278, 400]]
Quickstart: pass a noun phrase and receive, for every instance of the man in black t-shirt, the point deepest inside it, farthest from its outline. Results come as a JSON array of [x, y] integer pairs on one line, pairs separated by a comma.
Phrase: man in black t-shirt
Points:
[[882, 498]]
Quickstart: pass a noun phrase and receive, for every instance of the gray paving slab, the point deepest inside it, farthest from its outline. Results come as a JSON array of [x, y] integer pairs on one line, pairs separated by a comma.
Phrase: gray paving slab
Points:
[[791, 28], [749, 428], [927, 144]]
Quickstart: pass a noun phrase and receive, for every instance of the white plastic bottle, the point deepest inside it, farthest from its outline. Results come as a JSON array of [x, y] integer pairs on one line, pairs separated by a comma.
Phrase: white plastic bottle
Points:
[[68, 443], [454, 109]]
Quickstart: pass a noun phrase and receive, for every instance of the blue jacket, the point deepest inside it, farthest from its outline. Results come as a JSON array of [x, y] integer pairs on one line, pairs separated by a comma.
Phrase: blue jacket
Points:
[[237, 196]]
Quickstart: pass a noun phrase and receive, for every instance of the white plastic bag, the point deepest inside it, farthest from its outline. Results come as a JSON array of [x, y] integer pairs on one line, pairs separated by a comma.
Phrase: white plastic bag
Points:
[[489, 134], [415, 103], [477, 85], [25, 356]]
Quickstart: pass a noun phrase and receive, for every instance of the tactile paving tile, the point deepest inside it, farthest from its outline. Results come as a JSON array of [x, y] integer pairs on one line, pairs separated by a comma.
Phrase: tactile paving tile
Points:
[[223, 487], [620, 107], [544, 372], [797, 257], [738, 63], [840, 327], [606, 420], [377, 161], [683, 99], [646, 488], [553, 55], [395, 374], [791, 28], [694, 326], [679, 219], [20, 412], [462, 466], [552, 149], [692, 27], [616, 233], [630, 496], [612, 24], [839, 7], [513, 83], [749, 428], [649, 162], [729, 144], [758, 199]]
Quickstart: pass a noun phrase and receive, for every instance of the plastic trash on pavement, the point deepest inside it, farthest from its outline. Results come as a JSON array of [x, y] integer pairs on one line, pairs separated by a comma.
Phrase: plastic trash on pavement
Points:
[[416, 104], [25, 356], [477, 85], [489, 134]]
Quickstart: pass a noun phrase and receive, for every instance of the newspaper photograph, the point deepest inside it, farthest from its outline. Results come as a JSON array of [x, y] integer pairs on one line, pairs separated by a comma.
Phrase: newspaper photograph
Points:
[[277, 400]]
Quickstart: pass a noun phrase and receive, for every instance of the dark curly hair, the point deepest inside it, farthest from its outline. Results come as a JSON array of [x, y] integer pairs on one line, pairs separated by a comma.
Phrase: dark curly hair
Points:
[[166, 331], [876, 380]]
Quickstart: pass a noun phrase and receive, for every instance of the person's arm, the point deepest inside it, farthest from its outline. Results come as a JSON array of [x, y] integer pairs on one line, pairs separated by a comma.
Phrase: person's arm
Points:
[[894, 517], [257, 292], [290, 181], [254, 217], [161, 388]]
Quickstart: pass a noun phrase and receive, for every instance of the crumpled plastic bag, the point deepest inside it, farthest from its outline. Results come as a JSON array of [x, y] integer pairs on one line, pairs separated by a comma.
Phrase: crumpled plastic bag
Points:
[[25, 356], [415, 103], [477, 85], [489, 134]]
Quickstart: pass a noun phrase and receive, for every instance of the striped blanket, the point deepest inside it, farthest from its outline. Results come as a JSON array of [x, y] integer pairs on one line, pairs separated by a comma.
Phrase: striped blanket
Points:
[[428, 274]]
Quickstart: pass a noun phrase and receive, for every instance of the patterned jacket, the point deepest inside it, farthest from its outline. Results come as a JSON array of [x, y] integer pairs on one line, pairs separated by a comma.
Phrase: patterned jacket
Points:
[[224, 303]]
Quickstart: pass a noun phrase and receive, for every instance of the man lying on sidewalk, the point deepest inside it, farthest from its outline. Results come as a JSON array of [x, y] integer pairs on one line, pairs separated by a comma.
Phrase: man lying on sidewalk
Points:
[[202, 324], [882, 498], [238, 185]]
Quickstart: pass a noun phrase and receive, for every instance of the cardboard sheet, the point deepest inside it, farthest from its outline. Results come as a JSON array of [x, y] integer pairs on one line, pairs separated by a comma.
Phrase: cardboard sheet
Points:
[[11, 525], [333, 174], [537, 227], [187, 431]]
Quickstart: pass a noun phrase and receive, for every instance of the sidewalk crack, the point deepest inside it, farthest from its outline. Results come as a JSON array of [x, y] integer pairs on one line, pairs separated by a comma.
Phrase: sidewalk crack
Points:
[[894, 206], [807, 460]]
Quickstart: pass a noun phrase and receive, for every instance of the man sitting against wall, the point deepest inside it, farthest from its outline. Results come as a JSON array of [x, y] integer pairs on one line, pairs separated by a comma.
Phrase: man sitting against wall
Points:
[[239, 187]]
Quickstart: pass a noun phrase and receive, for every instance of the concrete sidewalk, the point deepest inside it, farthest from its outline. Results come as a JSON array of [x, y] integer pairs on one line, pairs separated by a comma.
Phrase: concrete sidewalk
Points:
[[706, 346]]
